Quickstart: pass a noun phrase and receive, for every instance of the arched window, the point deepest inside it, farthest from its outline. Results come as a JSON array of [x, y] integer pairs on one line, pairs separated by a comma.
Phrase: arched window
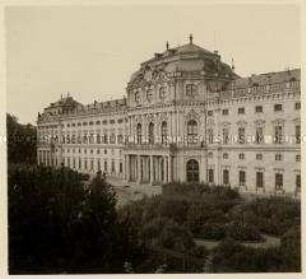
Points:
[[138, 132], [151, 133], [192, 171], [164, 132], [192, 131]]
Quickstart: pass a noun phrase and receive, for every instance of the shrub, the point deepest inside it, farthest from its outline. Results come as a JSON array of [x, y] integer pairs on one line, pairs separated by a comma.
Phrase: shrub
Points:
[[274, 215], [243, 232], [230, 256], [213, 231]]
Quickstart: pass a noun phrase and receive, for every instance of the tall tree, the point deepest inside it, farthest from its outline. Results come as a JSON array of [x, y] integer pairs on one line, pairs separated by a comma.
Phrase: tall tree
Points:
[[21, 141], [56, 225]]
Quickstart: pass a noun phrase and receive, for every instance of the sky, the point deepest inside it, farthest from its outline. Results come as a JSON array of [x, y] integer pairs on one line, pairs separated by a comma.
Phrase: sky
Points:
[[91, 52]]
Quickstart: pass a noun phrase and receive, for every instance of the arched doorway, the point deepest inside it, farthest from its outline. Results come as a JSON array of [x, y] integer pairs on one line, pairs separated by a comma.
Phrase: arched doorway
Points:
[[192, 171]]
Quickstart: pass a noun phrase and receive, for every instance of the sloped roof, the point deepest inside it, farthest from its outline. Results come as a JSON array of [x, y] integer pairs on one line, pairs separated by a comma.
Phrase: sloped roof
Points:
[[267, 78], [187, 48]]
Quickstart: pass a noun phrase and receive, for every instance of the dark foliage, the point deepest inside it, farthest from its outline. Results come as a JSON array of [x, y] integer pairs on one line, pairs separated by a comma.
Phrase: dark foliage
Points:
[[291, 249], [21, 141], [230, 256], [273, 215], [243, 232], [55, 225]]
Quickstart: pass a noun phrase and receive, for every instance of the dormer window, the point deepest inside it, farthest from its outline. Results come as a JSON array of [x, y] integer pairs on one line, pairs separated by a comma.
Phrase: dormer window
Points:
[[191, 90]]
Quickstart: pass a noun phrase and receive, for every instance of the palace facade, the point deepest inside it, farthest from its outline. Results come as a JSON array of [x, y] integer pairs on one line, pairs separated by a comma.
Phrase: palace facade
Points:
[[187, 116]]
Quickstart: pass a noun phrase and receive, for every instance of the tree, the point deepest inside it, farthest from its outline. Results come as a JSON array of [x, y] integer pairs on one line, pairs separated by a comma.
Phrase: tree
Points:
[[93, 233], [55, 225], [21, 141]]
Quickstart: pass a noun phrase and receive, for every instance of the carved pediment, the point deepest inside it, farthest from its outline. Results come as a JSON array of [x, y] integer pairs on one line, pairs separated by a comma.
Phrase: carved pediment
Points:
[[192, 114], [259, 122]]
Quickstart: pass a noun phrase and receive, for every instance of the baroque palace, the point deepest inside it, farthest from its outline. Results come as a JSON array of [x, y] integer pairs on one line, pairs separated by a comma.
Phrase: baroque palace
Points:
[[188, 117]]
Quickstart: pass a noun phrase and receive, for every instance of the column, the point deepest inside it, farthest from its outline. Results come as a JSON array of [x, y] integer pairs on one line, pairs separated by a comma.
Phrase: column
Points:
[[151, 169], [169, 169], [159, 168], [127, 167], [146, 168], [165, 169], [138, 169]]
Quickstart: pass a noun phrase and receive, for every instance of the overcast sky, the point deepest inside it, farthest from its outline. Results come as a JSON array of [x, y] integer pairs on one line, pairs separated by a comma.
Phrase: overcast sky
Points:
[[91, 52]]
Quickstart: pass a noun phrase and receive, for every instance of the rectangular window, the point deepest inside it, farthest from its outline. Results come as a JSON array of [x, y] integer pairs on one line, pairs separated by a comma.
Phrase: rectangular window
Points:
[[190, 89], [259, 179], [121, 167], [113, 166], [85, 164], [297, 106], [225, 135], [278, 157], [91, 164], [105, 165], [225, 155], [298, 182], [278, 134], [225, 177], [241, 110], [210, 136], [278, 181], [211, 176], [225, 112], [259, 137], [242, 178], [241, 135], [241, 156], [120, 139], [278, 107], [112, 138], [258, 109], [298, 134]]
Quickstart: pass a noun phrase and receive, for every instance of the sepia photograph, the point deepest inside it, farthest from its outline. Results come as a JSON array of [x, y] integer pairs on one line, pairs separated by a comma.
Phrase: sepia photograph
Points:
[[155, 138]]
